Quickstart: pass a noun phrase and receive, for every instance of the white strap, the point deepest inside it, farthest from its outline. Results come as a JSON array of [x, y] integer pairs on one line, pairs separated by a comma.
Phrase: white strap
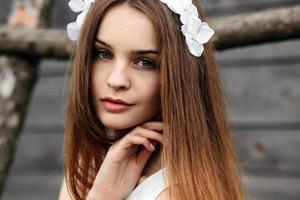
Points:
[[150, 188]]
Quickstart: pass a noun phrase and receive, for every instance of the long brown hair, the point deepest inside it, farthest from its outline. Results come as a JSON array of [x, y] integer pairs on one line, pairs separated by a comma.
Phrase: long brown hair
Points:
[[198, 150]]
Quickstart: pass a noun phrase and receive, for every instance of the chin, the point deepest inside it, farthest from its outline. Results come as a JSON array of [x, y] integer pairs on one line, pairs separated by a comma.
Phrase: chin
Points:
[[115, 123], [121, 122]]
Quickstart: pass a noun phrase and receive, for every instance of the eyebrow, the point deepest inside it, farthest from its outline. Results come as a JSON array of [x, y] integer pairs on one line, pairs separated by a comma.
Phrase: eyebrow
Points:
[[133, 51]]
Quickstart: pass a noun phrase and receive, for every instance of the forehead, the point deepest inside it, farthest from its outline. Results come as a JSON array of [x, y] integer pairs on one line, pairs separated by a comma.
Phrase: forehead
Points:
[[124, 26]]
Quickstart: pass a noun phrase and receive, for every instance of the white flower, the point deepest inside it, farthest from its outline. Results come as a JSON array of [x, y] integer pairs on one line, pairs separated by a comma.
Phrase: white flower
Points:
[[178, 6], [73, 29], [196, 34], [185, 8]]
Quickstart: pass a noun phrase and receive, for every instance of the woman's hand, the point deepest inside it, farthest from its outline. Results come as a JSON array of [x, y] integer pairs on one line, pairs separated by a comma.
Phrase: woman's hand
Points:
[[124, 162]]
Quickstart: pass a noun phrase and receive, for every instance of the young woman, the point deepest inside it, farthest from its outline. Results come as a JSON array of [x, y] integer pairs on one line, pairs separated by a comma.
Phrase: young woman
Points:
[[145, 115]]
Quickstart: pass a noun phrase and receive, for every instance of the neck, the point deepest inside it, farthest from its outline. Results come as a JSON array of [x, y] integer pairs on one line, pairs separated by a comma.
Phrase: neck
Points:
[[154, 163]]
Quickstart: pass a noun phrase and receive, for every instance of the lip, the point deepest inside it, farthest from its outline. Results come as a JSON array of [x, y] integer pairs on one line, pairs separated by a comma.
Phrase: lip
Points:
[[116, 101], [115, 105]]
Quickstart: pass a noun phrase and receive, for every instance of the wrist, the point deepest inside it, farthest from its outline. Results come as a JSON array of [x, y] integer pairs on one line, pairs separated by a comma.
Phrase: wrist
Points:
[[101, 196]]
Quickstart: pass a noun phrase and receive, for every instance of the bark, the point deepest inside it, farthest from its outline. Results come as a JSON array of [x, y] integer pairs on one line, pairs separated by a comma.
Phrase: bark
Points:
[[18, 75], [236, 31], [262, 27]]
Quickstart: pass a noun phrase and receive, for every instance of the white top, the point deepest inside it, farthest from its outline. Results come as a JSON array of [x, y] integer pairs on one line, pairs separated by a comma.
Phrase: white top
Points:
[[149, 188]]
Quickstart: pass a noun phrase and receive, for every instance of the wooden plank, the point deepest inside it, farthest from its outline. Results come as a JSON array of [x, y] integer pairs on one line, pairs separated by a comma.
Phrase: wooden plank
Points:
[[33, 186], [53, 68], [62, 14], [39, 154], [232, 7], [20, 74], [261, 152], [269, 152], [267, 95], [289, 48], [4, 8], [272, 188], [48, 100]]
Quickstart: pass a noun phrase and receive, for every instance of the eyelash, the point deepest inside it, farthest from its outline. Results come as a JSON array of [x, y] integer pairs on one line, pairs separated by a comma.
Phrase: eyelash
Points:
[[100, 51]]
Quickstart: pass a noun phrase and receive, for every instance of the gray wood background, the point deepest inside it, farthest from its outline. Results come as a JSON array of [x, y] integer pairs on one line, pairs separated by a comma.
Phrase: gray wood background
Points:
[[262, 86]]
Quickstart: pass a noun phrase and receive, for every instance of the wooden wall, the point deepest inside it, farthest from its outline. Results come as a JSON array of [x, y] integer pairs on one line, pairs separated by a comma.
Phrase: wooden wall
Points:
[[262, 87]]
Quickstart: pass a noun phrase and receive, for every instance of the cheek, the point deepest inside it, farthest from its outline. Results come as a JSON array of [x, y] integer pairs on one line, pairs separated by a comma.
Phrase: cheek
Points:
[[96, 81], [150, 93]]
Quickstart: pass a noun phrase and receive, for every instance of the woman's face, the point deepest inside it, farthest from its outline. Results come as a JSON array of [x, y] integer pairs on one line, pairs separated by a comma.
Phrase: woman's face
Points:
[[125, 67]]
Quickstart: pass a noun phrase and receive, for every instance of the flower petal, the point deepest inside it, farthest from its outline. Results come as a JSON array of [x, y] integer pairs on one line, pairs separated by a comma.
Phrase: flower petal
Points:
[[89, 1], [196, 49], [184, 30], [204, 34], [194, 25], [165, 1], [80, 18], [73, 31], [174, 6], [76, 5], [184, 5], [191, 12]]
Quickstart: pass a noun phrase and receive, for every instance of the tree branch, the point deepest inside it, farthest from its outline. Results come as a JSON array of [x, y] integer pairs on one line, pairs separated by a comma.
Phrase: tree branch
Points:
[[241, 30], [17, 78], [262, 27]]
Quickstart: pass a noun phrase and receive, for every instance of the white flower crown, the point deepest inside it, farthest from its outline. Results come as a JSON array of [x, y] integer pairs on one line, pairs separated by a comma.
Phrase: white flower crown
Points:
[[195, 31], [83, 6]]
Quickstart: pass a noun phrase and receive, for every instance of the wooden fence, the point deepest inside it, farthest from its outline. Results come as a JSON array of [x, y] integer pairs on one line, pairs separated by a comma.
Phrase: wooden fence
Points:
[[262, 86]]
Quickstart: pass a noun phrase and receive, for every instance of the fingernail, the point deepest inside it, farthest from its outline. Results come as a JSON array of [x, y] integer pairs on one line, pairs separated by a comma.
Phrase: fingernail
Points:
[[152, 147]]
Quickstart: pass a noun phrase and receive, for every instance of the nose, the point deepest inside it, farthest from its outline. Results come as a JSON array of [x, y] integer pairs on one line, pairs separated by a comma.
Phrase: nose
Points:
[[118, 78]]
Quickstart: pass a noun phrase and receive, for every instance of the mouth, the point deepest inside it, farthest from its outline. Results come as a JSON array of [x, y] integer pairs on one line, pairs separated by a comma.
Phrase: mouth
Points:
[[112, 105], [116, 101]]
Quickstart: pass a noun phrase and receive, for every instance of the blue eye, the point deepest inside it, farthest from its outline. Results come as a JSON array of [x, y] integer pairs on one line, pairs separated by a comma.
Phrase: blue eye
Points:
[[103, 54], [147, 64]]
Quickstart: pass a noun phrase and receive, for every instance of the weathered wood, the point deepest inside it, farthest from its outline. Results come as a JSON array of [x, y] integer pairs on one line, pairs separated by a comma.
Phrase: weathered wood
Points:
[[233, 7], [272, 188], [272, 54], [47, 186], [269, 152], [39, 153], [18, 75], [31, 186], [256, 28], [268, 97], [261, 152], [17, 78], [62, 15], [264, 96], [268, 158], [241, 30], [32, 177]]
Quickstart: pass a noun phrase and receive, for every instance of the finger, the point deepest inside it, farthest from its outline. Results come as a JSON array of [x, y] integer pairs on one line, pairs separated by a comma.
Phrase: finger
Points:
[[137, 140], [153, 125], [142, 157], [147, 133]]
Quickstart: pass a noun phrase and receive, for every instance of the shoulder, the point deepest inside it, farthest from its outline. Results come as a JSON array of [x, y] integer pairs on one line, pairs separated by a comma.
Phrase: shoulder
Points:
[[64, 194], [164, 195]]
